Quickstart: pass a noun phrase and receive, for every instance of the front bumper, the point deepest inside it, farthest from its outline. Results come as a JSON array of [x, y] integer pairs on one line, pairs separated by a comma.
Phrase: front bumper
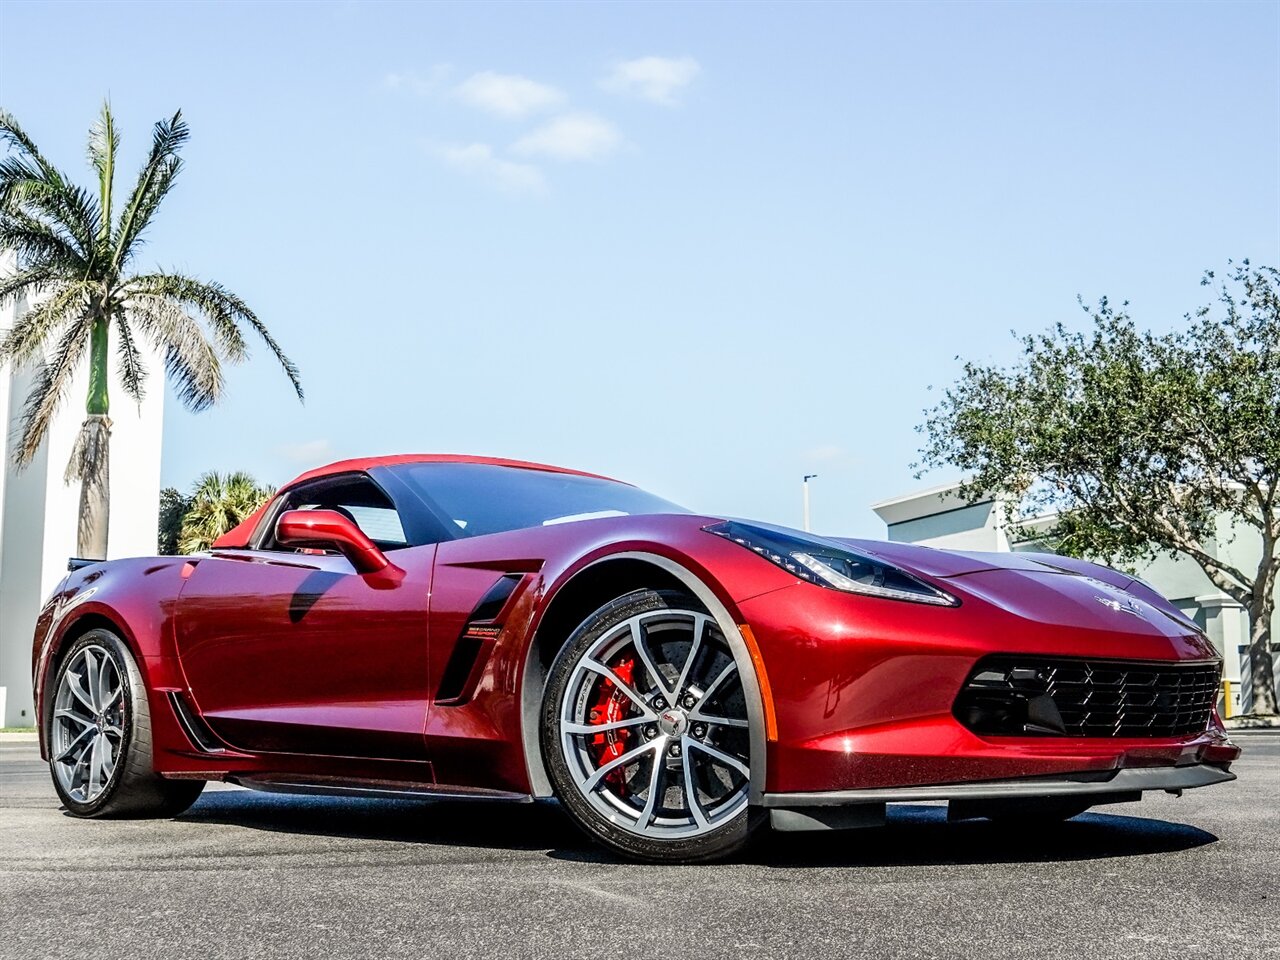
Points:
[[836, 809], [862, 693]]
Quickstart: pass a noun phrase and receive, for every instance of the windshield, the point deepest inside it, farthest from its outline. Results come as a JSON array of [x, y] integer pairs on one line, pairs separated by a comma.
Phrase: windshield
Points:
[[473, 499]]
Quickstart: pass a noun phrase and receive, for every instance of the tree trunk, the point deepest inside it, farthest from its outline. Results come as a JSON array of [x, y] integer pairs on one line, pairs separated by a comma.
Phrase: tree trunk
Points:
[[90, 464], [90, 458], [1261, 669]]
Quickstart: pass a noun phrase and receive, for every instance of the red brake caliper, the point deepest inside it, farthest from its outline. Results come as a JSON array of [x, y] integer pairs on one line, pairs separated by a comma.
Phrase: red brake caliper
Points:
[[611, 706]]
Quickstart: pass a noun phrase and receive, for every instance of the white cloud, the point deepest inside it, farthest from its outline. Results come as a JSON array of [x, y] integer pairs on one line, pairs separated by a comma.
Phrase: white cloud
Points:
[[478, 160], [421, 84], [575, 136], [507, 95], [657, 79]]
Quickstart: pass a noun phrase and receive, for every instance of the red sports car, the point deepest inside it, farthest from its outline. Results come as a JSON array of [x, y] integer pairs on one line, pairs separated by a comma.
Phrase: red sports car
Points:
[[467, 627]]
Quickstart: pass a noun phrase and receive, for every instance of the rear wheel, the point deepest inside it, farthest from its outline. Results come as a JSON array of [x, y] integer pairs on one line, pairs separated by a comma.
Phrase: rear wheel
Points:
[[99, 736], [645, 731]]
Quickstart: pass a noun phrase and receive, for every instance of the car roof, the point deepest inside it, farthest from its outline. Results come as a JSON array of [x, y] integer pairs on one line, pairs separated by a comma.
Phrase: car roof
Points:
[[239, 535], [361, 464]]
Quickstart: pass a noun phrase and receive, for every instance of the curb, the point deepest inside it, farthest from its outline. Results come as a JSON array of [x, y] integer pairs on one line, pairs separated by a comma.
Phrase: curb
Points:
[[24, 737], [1252, 723]]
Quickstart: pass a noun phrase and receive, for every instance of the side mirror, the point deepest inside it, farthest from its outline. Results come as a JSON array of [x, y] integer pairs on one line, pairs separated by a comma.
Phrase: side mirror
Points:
[[329, 530]]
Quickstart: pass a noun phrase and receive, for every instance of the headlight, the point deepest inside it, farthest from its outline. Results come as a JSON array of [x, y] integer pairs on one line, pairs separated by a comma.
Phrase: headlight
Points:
[[831, 564]]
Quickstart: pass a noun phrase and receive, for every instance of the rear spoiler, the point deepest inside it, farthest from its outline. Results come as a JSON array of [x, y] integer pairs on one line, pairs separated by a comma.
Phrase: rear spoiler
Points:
[[79, 563]]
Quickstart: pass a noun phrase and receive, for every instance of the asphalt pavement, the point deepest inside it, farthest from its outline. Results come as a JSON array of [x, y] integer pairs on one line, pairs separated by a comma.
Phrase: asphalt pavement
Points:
[[245, 874]]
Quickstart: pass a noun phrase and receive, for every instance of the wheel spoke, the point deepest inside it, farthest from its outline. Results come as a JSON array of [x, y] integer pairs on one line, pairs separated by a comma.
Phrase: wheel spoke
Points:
[[75, 742], [629, 757], [580, 729], [699, 628], [596, 667], [77, 689], [718, 721], [715, 685], [109, 689], [92, 671], [108, 757], [95, 769], [726, 759], [640, 641], [67, 714], [691, 788], [655, 777]]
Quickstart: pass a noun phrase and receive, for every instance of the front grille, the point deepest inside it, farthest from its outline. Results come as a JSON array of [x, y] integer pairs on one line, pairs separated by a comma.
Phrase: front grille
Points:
[[1021, 696]]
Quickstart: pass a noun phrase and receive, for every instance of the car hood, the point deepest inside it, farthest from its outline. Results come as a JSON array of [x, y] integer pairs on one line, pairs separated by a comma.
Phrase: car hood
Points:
[[1052, 591]]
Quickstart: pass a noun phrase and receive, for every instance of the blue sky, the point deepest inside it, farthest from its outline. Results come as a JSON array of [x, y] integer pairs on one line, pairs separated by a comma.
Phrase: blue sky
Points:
[[706, 248]]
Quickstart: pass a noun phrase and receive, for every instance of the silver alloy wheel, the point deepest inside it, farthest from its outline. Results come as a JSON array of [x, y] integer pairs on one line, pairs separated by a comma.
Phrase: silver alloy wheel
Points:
[[653, 726], [88, 724]]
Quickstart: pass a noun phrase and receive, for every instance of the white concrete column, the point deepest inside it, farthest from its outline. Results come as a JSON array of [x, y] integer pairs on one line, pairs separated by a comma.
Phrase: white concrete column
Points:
[[1227, 624], [38, 511]]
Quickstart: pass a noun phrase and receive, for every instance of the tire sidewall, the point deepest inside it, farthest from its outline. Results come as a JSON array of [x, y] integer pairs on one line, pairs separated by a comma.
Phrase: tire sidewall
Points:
[[131, 689], [718, 844]]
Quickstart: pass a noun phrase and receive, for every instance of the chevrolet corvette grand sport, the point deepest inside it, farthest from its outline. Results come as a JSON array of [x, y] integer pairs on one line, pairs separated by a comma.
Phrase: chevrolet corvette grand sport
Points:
[[467, 627]]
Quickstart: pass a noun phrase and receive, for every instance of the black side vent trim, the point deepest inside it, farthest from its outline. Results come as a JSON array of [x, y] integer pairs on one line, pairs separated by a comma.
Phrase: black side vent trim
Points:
[[197, 731], [478, 636], [453, 683], [491, 604]]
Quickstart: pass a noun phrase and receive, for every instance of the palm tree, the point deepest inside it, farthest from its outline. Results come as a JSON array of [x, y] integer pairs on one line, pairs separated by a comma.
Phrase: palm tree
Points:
[[219, 502], [75, 249]]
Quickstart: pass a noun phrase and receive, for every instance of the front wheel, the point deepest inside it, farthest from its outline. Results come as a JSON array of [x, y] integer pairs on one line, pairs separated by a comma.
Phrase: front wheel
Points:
[[645, 731], [99, 736]]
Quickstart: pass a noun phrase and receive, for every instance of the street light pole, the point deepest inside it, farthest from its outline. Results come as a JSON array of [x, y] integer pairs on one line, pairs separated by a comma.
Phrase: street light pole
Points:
[[807, 478]]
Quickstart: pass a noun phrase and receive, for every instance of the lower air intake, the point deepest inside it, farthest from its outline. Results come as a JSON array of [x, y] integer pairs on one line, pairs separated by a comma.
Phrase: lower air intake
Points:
[[1034, 696]]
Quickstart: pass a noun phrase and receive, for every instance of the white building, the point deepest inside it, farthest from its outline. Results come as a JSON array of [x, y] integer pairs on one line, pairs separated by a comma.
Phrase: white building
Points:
[[38, 511], [939, 517]]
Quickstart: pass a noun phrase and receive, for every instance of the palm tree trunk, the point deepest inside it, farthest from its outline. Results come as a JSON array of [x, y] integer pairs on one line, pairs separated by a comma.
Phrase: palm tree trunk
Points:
[[90, 458]]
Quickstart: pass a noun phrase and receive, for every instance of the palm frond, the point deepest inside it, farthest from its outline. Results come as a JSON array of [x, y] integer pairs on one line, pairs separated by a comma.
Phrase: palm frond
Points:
[[103, 144], [37, 242], [26, 339], [52, 382], [28, 282], [217, 504], [224, 312], [133, 372], [154, 182], [27, 177], [190, 360]]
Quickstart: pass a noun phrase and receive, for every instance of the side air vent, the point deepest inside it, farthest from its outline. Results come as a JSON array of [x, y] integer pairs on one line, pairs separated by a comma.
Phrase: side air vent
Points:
[[197, 731], [482, 629], [491, 604]]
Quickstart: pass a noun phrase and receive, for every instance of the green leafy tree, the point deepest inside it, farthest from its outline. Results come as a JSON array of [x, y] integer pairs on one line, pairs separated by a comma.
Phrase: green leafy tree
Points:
[[218, 503], [75, 251], [173, 507], [1142, 443]]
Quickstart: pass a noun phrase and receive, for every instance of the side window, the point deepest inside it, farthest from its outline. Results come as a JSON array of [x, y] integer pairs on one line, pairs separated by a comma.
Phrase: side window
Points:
[[354, 496]]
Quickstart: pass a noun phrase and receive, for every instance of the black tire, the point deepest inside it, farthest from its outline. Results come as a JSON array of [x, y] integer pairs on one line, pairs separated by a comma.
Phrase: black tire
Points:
[[133, 788], [723, 841]]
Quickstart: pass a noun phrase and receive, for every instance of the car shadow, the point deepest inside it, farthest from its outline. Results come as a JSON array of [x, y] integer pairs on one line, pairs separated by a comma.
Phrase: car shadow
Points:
[[913, 835], [922, 836], [461, 823]]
